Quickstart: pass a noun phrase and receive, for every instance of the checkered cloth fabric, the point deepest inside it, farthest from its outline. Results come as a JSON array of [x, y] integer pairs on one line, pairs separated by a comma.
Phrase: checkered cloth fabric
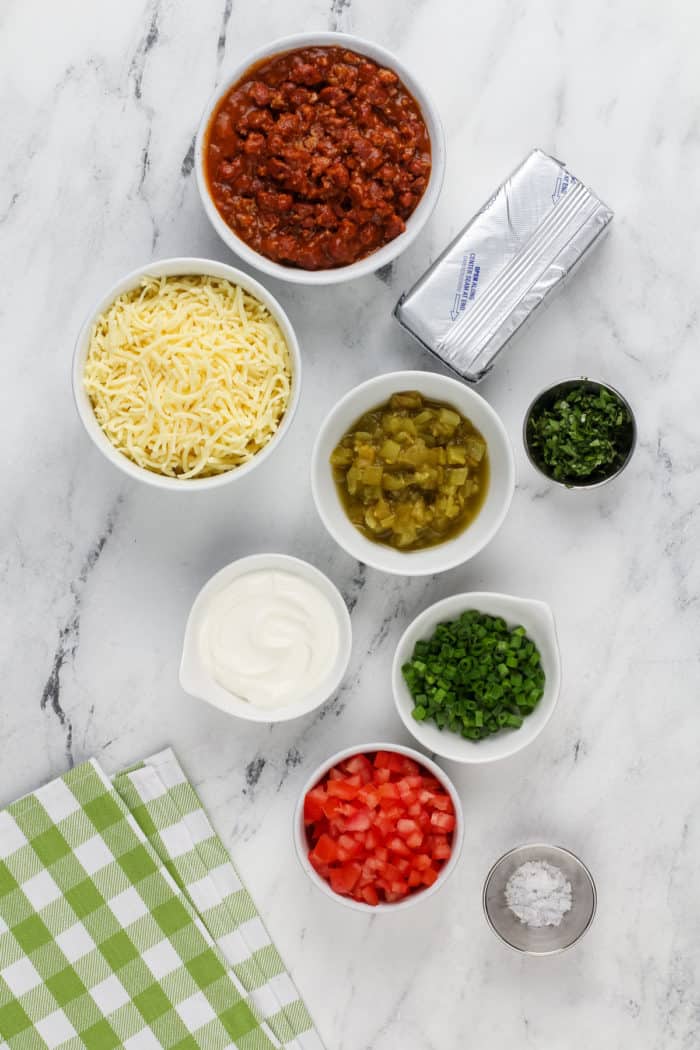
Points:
[[123, 923]]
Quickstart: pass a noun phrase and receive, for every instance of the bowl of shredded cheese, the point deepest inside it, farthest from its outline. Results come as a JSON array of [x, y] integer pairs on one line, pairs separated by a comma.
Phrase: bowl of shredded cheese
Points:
[[187, 374]]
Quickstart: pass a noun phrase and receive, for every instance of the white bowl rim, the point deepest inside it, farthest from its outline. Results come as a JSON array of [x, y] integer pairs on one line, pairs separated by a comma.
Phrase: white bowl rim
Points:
[[301, 845], [377, 555], [217, 696], [424, 209], [469, 751], [170, 267]]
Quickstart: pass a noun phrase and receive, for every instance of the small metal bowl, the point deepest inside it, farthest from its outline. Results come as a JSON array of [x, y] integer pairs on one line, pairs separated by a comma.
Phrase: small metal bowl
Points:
[[547, 398], [543, 940]]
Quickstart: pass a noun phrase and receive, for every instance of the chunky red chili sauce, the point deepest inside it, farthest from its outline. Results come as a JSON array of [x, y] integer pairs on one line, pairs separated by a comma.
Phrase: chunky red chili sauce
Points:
[[317, 157]]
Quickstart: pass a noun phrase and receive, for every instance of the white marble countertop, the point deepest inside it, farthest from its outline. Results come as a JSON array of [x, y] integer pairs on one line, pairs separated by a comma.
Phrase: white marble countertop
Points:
[[99, 107]]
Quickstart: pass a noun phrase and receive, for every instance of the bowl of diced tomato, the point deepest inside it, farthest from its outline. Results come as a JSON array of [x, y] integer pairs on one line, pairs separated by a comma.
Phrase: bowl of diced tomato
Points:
[[379, 828]]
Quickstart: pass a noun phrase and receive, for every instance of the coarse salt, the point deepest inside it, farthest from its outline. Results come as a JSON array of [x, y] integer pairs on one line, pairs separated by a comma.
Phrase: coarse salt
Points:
[[539, 894]]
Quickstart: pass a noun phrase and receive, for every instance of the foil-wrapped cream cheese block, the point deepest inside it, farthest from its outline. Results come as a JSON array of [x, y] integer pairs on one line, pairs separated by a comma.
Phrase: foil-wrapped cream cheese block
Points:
[[505, 262]]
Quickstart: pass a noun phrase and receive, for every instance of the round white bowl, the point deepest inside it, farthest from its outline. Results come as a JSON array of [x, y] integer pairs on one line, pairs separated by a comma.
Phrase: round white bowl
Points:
[[195, 678], [302, 845], [445, 555], [537, 619], [414, 223], [170, 268]]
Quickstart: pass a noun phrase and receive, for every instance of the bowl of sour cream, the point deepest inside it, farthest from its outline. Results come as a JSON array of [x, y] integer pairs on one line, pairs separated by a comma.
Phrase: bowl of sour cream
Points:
[[268, 639]]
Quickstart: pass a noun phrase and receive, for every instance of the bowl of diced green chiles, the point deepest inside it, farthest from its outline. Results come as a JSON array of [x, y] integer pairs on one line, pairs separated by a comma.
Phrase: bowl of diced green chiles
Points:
[[412, 473]]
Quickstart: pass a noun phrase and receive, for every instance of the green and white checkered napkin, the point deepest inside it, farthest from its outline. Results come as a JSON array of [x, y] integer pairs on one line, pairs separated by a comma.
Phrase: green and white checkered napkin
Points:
[[123, 923]]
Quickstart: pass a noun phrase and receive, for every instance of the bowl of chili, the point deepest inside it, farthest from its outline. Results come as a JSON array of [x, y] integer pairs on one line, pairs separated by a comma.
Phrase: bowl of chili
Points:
[[379, 827], [320, 158]]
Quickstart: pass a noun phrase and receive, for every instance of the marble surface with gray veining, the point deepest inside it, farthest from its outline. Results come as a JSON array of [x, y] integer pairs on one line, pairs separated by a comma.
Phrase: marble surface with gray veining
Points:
[[99, 105]]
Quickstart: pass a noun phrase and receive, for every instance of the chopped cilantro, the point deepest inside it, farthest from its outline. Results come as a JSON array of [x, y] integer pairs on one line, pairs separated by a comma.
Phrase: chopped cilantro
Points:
[[584, 435]]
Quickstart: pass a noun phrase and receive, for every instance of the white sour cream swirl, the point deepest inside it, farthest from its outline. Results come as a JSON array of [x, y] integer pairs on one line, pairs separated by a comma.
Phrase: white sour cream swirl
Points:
[[270, 638]]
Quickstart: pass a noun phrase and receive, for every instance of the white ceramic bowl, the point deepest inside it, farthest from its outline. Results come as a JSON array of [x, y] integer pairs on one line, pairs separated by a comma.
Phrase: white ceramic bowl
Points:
[[415, 222], [537, 619], [445, 555], [170, 268], [195, 678], [302, 845]]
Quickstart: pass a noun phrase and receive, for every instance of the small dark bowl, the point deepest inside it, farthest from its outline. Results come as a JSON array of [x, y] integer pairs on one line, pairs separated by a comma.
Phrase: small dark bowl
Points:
[[546, 399]]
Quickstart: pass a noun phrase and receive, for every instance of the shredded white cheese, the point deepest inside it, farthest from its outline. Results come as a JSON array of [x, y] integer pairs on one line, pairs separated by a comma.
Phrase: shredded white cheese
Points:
[[188, 376]]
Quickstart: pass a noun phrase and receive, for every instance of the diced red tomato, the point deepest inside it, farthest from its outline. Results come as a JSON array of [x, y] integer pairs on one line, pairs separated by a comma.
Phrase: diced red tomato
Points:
[[384, 824], [360, 766], [409, 768], [406, 827], [442, 852], [342, 789], [379, 827], [423, 820], [360, 820], [390, 873], [443, 821], [318, 864], [388, 760], [443, 803], [368, 796], [348, 847], [398, 846], [372, 840], [313, 805], [370, 895], [326, 849], [343, 879]]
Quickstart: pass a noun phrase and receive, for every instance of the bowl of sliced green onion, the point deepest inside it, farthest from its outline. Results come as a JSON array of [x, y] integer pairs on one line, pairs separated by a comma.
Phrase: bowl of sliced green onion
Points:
[[476, 676]]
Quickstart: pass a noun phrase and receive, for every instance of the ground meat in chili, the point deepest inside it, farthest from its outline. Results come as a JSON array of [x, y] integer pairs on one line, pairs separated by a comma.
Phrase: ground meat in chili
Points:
[[317, 157]]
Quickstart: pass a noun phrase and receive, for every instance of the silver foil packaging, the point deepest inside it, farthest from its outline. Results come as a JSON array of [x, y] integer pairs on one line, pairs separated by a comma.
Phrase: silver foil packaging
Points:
[[510, 256]]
